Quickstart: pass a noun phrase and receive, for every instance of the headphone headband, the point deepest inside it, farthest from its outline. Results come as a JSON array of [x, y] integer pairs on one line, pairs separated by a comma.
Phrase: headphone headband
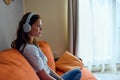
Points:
[[27, 26], [29, 17]]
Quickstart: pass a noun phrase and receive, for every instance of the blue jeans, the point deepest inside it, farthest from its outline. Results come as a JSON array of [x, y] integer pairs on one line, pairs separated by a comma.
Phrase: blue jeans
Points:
[[74, 74]]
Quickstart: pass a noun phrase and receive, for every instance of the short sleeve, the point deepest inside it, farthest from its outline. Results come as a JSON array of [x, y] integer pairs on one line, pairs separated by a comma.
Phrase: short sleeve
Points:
[[31, 53]]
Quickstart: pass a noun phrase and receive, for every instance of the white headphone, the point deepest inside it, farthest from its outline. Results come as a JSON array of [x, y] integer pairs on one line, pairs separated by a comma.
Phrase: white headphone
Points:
[[27, 26]]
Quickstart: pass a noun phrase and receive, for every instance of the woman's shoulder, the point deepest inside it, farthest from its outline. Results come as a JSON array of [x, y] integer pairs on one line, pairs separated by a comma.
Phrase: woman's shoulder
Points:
[[29, 46], [30, 49]]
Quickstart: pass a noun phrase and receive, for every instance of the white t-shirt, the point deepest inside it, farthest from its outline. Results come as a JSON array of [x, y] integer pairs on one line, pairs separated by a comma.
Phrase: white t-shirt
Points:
[[35, 57]]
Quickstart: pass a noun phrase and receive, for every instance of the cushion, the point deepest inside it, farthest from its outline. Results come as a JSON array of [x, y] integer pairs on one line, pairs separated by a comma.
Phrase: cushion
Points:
[[87, 75], [13, 66], [67, 62], [45, 47]]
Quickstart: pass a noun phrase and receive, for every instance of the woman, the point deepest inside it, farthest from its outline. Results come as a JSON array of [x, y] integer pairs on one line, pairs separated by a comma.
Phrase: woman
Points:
[[30, 27]]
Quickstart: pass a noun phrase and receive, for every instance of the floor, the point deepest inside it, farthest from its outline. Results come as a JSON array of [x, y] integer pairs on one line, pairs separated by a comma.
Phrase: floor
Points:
[[107, 76]]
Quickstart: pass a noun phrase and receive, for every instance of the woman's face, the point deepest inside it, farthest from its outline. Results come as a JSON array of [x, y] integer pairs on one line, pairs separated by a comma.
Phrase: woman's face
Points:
[[36, 29]]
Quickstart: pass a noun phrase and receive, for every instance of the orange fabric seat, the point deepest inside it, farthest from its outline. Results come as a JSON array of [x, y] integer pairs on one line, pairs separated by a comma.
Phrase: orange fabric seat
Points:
[[13, 66]]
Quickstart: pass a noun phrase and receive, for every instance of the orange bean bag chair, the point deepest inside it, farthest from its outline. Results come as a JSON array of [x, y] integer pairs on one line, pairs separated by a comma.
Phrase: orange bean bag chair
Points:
[[13, 66]]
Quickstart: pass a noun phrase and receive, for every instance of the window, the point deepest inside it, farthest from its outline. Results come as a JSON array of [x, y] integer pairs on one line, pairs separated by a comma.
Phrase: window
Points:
[[99, 33]]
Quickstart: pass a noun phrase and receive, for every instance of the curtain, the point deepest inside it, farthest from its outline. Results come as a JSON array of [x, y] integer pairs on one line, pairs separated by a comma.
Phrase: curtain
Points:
[[98, 37], [72, 25]]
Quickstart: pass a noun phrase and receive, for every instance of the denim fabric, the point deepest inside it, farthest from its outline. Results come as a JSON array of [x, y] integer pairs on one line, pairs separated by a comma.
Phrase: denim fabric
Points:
[[74, 74]]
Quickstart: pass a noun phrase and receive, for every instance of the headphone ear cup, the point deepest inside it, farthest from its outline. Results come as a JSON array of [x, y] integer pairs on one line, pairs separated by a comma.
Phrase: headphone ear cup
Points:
[[26, 27]]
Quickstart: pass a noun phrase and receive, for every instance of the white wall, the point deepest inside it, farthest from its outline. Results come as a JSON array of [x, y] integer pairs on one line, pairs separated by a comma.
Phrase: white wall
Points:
[[54, 15], [9, 18]]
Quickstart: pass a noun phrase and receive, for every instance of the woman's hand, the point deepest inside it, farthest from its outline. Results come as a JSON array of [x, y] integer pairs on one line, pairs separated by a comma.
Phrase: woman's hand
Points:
[[55, 75]]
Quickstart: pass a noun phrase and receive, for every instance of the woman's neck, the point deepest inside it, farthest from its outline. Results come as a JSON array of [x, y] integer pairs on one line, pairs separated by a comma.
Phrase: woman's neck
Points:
[[31, 39]]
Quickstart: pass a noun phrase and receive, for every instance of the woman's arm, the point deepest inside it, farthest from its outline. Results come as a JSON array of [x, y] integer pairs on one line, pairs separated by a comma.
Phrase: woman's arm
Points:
[[55, 75], [44, 76]]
